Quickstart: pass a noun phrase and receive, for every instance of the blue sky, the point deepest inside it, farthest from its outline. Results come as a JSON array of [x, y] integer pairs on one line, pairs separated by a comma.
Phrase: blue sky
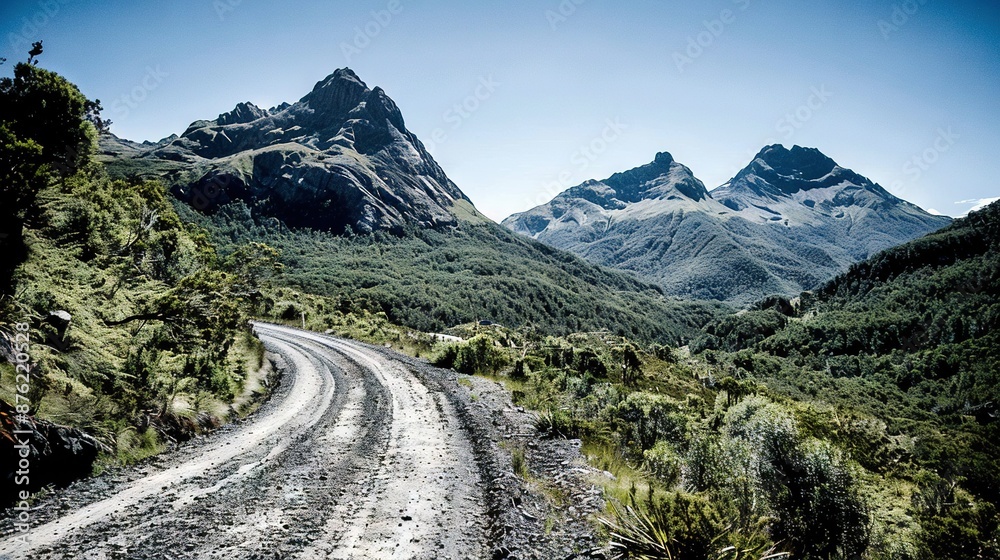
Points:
[[550, 93]]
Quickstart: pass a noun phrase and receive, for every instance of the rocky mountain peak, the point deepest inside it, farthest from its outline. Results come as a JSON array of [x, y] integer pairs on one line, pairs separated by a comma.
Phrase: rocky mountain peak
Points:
[[338, 93], [380, 106], [664, 177], [802, 163], [663, 159], [341, 77], [791, 219], [243, 113], [779, 172], [658, 167], [339, 159]]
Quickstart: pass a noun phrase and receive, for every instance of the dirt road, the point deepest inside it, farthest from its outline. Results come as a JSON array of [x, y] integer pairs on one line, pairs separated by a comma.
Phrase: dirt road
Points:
[[352, 457]]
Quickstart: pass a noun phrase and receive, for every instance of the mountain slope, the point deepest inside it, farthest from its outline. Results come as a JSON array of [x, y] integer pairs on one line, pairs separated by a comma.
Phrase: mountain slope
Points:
[[803, 188], [431, 279], [787, 222], [339, 157]]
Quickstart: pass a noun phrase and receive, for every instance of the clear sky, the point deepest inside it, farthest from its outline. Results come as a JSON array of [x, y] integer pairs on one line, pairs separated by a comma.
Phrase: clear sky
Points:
[[553, 92]]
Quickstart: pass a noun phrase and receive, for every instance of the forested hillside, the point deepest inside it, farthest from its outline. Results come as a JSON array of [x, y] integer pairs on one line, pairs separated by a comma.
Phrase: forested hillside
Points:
[[432, 279], [125, 320], [911, 337]]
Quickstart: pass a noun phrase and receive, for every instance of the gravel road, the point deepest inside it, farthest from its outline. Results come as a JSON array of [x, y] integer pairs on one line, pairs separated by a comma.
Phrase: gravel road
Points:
[[359, 453], [352, 457]]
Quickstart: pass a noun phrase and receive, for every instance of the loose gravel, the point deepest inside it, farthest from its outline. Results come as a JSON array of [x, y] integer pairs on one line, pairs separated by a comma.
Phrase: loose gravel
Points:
[[360, 453]]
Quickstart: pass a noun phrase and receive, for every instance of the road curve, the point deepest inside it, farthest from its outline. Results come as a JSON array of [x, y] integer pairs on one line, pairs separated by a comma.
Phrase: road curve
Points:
[[351, 458]]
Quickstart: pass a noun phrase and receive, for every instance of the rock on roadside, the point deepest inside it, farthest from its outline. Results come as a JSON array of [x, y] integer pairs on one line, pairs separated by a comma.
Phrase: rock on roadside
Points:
[[54, 454]]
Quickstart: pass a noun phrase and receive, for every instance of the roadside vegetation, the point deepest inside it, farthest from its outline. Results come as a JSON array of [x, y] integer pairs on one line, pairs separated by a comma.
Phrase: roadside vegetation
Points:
[[702, 465], [138, 328], [904, 348], [859, 421], [430, 279]]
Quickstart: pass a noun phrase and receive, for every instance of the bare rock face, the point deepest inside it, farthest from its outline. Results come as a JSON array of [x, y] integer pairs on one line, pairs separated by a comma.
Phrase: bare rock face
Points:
[[341, 157], [243, 113], [55, 454], [59, 319]]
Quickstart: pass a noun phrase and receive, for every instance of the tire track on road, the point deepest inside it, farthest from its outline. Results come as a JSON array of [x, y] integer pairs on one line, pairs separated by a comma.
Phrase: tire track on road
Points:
[[353, 457]]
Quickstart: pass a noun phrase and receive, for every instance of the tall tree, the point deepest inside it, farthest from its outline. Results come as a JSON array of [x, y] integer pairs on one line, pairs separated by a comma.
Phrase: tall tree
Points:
[[46, 131]]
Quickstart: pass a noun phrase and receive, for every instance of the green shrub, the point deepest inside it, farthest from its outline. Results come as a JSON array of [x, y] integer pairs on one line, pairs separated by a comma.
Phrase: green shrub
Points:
[[444, 355], [479, 355], [676, 526], [818, 505], [559, 423], [643, 418], [663, 462], [703, 464], [808, 486], [588, 362], [952, 525]]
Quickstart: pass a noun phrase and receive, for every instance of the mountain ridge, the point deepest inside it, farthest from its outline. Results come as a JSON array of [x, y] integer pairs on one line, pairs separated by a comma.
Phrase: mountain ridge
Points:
[[789, 220], [339, 158]]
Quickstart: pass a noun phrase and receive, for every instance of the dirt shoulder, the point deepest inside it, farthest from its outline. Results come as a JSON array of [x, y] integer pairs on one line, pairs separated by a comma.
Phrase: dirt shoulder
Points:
[[548, 511]]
